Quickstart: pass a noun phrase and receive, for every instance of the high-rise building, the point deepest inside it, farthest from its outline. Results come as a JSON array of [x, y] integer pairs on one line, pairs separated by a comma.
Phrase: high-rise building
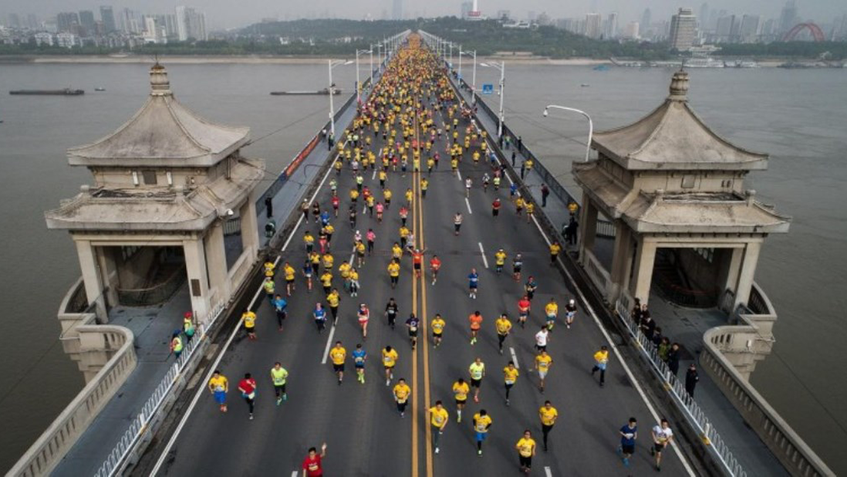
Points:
[[107, 16], [646, 19], [14, 20], [749, 29], [725, 28], [190, 23], [611, 26], [32, 21], [788, 17], [86, 21], [67, 22], [504, 14], [630, 31], [593, 25], [704, 16], [683, 30], [397, 10]]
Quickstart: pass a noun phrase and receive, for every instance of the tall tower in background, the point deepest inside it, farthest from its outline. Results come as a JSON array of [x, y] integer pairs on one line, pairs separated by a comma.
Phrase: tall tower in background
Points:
[[788, 17], [397, 11], [683, 30], [107, 15]]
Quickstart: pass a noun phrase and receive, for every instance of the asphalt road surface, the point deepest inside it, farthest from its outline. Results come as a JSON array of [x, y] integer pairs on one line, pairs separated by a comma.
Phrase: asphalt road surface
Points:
[[359, 422]]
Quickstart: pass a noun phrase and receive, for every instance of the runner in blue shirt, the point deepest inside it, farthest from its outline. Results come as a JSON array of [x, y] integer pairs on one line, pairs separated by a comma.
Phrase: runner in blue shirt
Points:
[[320, 317], [413, 323], [359, 357], [473, 283], [280, 304], [629, 433], [513, 189]]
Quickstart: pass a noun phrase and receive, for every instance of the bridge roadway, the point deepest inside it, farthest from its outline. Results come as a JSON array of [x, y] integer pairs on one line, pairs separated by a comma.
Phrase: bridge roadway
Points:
[[360, 424]]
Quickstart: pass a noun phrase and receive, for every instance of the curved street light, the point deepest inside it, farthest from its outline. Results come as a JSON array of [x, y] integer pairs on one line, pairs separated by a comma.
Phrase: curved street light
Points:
[[590, 124], [502, 67], [330, 65]]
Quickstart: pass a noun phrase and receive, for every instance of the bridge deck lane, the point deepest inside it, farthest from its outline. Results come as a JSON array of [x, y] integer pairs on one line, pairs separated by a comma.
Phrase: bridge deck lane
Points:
[[584, 438], [359, 422]]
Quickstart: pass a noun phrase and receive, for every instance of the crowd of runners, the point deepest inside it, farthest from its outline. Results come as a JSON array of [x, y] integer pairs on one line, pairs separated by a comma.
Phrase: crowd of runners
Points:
[[393, 135]]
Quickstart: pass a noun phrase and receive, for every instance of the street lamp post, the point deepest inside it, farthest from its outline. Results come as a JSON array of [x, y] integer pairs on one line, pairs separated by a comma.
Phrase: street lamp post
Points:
[[330, 65], [359, 84], [473, 76], [590, 124], [460, 62], [502, 67]]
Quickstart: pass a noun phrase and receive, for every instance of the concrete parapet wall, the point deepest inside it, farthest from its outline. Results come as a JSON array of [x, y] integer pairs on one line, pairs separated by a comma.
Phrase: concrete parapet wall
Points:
[[107, 348], [794, 454]]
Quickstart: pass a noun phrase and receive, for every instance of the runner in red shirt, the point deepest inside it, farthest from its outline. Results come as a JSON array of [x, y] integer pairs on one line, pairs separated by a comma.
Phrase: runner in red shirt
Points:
[[312, 466], [523, 310], [495, 207], [247, 386], [335, 202], [434, 266]]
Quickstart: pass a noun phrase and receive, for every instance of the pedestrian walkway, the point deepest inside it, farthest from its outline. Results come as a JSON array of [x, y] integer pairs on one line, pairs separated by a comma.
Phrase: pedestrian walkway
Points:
[[682, 325]]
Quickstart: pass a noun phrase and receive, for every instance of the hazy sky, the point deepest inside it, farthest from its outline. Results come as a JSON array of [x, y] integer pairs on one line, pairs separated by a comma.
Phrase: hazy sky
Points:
[[233, 13]]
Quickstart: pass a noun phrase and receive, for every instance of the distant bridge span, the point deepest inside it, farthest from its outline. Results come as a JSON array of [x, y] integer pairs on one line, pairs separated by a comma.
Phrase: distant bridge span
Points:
[[815, 30]]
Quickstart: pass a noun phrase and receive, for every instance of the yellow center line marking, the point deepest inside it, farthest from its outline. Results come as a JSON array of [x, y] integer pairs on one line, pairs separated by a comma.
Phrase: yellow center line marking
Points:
[[423, 318], [415, 451]]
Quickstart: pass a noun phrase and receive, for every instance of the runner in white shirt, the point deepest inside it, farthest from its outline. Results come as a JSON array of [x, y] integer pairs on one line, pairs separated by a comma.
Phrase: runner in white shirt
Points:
[[662, 436], [468, 185], [541, 339]]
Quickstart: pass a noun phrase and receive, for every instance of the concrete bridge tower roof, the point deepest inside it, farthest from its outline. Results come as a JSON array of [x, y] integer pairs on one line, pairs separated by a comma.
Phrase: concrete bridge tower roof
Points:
[[162, 133], [673, 137]]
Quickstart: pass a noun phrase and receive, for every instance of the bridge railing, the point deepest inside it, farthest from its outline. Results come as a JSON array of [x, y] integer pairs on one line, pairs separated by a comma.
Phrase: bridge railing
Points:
[[684, 401], [81, 334], [175, 377]]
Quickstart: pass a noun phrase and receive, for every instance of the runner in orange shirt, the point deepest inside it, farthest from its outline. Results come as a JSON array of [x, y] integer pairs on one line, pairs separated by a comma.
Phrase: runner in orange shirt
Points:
[[476, 323]]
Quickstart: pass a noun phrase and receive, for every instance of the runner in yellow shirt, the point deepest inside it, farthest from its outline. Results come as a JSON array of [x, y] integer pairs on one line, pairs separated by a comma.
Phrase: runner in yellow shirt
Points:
[[438, 417], [401, 396], [542, 363], [389, 360], [552, 311], [326, 281], [438, 325], [510, 376], [526, 451], [338, 354], [218, 386], [601, 358], [555, 249], [249, 319], [503, 326], [394, 272], [481, 424], [289, 273], [477, 372], [460, 392], [499, 260], [548, 415]]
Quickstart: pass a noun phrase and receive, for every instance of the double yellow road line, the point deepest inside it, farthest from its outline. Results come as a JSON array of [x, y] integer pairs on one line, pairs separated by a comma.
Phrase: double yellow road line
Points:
[[420, 238]]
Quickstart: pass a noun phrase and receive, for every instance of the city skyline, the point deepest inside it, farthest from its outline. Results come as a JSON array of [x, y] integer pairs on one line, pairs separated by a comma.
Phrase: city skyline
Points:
[[222, 15]]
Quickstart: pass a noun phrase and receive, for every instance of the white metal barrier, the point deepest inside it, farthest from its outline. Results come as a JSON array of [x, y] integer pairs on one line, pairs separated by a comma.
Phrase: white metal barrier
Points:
[[695, 416], [117, 457]]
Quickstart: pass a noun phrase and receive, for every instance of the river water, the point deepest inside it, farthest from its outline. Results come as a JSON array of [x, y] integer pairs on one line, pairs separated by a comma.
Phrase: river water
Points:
[[797, 116]]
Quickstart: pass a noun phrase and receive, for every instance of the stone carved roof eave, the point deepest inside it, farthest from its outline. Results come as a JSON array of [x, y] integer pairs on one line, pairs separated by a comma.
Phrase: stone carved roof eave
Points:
[[200, 207], [202, 156]]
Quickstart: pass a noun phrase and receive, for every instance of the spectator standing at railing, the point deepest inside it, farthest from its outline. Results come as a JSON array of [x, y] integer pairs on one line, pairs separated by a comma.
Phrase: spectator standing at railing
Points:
[[673, 359], [691, 379], [269, 207], [545, 191], [648, 326]]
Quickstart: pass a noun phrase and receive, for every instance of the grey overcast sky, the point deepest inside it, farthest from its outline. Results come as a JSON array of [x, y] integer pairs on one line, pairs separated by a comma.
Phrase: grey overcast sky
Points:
[[234, 13]]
